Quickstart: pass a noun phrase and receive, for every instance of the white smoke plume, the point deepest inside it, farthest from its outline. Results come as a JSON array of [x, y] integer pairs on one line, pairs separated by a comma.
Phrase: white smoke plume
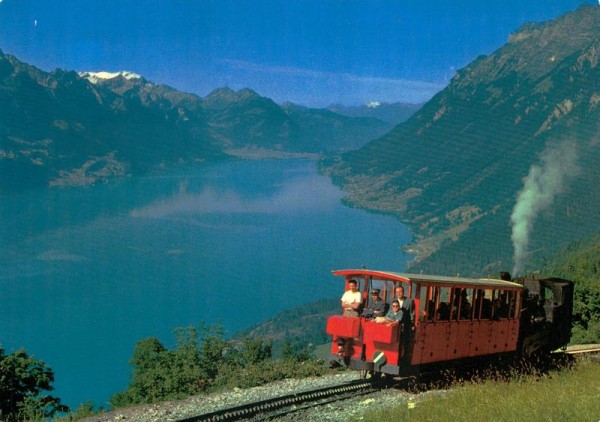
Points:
[[541, 186]]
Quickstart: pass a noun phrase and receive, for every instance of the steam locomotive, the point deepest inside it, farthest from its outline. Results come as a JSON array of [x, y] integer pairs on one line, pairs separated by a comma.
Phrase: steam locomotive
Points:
[[447, 320]]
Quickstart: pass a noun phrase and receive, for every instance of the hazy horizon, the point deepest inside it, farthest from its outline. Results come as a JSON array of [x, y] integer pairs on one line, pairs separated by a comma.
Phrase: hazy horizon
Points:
[[313, 53]]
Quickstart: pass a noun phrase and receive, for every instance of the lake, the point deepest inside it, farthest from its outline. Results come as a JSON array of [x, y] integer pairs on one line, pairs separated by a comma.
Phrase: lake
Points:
[[87, 272]]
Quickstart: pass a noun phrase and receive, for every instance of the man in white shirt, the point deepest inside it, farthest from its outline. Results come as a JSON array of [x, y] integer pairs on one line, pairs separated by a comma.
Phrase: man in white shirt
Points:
[[351, 300]]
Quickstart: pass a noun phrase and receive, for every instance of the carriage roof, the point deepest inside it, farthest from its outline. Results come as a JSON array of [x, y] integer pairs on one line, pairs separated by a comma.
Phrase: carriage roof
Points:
[[430, 279]]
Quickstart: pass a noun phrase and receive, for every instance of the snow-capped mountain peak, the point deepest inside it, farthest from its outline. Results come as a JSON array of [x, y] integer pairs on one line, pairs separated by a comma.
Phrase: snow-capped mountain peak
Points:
[[373, 104], [95, 77]]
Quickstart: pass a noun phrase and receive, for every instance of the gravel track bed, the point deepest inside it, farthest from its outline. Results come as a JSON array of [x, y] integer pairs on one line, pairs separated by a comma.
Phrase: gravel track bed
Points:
[[178, 409], [351, 409]]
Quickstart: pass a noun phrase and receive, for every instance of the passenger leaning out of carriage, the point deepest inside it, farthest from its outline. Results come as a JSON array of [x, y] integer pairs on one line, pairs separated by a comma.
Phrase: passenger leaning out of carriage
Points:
[[393, 317], [376, 307], [351, 300]]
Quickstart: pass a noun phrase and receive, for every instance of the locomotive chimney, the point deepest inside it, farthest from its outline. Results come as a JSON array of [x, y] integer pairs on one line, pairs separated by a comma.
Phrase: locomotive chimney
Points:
[[505, 275]]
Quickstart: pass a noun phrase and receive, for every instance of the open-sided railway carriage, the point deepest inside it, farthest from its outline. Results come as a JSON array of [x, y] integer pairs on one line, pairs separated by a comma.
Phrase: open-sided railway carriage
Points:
[[455, 319]]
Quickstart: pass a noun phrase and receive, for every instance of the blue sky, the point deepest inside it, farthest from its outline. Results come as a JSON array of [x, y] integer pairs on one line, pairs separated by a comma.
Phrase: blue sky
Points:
[[311, 52]]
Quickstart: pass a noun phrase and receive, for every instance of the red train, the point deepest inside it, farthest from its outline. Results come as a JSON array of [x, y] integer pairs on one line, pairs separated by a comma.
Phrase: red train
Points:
[[448, 319]]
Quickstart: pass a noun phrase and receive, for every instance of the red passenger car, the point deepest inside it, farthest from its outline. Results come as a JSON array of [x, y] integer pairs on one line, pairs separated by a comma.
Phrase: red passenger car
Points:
[[455, 318]]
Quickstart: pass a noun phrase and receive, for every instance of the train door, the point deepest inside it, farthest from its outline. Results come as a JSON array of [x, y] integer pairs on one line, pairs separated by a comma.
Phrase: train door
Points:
[[482, 328], [461, 325], [433, 333]]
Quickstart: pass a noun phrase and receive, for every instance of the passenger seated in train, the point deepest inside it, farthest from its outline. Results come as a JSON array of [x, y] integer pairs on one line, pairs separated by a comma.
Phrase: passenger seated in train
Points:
[[376, 306], [482, 305], [351, 300], [501, 307], [455, 305], [443, 312], [430, 310], [465, 306], [394, 315]]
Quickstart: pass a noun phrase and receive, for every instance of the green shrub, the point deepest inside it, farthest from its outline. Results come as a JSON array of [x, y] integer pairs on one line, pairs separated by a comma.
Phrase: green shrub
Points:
[[265, 372], [83, 411], [253, 351], [162, 374], [22, 383], [203, 360], [296, 352]]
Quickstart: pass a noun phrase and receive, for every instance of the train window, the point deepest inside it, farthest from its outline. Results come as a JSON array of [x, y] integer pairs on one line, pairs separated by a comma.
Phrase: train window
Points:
[[424, 298], [461, 303], [517, 305], [442, 311], [512, 304], [477, 303], [466, 309], [548, 295], [433, 299], [454, 303], [483, 303], [390, 291], [501, 304], [506, 304]]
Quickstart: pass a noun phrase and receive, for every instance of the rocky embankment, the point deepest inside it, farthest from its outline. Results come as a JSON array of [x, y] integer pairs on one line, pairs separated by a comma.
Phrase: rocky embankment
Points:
[[340, 411]]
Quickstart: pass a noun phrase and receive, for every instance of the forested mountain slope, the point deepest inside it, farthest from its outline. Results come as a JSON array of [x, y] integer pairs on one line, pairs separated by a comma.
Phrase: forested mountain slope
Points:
[[524, 119]]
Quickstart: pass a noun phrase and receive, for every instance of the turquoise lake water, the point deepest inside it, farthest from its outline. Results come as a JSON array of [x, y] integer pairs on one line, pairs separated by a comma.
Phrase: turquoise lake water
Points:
[[87, 272]]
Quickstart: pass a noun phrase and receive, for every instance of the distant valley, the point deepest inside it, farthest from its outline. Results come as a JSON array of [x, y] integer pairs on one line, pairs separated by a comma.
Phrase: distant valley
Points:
[[65, 128], [496, 172]]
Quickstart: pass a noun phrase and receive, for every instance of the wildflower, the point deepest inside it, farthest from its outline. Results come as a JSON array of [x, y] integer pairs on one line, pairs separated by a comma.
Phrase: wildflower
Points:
[[368, 401]]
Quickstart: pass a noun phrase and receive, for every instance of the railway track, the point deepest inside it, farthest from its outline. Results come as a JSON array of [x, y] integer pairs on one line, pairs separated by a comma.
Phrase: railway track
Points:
[[280, 406], [277, 407], [584, 349]]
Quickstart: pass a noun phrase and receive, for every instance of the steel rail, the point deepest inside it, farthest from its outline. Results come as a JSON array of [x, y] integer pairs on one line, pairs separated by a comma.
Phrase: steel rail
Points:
[[282, 405], [582, 349]]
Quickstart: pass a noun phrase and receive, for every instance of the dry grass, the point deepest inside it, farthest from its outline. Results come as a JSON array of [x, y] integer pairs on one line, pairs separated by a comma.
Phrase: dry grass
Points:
[[568, 394]]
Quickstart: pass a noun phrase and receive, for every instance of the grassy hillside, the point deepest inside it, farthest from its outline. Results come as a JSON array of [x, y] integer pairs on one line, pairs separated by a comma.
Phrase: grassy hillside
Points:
[[567, 394]]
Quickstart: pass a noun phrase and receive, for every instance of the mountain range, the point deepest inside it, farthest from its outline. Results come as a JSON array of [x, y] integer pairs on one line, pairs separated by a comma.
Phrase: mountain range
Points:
[[393, 113], [496, 171], [499, 169], [67, 128]]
